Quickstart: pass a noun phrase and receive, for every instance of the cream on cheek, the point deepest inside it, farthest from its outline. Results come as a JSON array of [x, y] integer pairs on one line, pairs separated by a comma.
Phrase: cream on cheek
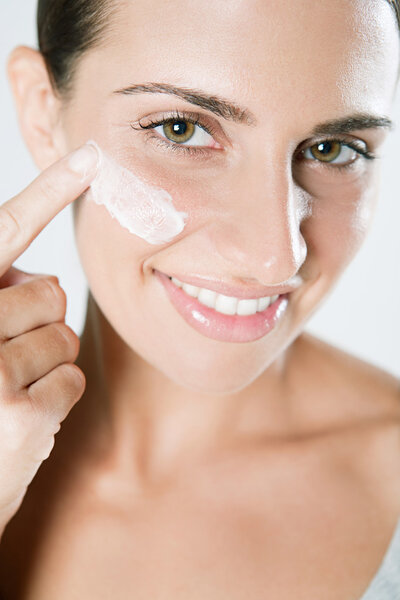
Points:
[[142, 209]]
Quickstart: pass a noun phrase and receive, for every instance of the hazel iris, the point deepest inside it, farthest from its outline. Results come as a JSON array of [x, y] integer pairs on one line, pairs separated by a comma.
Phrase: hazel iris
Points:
[[326, 151], [179, 131]]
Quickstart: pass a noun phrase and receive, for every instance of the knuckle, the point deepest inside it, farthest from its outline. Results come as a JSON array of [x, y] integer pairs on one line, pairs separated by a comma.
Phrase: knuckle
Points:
[[10, 228], [69, 387], [73, 386], [74, 375], [4, 374], [68, 335], [53, 292], [63, 331]]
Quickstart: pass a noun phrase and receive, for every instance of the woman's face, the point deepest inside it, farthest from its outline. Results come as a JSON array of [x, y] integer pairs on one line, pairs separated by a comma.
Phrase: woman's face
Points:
[[260, 212]]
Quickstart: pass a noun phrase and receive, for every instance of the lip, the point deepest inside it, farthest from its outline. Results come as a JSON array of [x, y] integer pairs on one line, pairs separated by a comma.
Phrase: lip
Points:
[[242, 292], [215, 325]]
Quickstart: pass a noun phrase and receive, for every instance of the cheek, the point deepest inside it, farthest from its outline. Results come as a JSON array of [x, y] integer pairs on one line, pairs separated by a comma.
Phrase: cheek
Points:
[[341, 216], [107, 251], [121, 221], [144, 210]]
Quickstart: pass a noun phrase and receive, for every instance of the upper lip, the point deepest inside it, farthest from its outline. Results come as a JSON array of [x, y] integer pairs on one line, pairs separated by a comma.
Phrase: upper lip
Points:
[[229, 289]]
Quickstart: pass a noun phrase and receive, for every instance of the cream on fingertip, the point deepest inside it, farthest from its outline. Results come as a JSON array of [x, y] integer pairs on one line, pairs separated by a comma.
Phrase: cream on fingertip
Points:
[[85, 161]]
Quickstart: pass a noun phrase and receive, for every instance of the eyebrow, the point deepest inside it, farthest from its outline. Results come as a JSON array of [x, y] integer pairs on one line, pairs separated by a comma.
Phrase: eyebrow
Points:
[[220, 106], [239, 114], [353, 122]]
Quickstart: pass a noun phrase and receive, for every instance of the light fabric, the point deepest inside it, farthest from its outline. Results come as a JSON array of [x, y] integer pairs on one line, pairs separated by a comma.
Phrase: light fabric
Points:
[[386, 583]]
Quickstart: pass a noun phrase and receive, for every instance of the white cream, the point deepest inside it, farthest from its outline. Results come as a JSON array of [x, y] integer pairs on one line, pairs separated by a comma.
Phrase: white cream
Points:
[[142, 209]]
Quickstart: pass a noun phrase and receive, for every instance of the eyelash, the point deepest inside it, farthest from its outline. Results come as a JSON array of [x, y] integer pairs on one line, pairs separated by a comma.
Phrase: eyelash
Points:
[[202, 152], [366, 154], [194, 118]]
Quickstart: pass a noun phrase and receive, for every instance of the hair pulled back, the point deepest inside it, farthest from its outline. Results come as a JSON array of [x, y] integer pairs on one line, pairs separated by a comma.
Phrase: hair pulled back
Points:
[[68, 28]]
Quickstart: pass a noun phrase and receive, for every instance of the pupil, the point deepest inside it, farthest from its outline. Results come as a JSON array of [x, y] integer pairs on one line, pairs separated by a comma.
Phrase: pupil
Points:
[[179, 128], [325, 148]]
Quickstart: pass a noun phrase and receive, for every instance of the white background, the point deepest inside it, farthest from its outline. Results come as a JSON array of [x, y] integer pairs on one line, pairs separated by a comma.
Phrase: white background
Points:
[[360, 316]]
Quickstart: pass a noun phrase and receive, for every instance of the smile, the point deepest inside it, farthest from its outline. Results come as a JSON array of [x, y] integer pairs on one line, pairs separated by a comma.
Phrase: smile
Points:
[[226, 305], [222, 317]]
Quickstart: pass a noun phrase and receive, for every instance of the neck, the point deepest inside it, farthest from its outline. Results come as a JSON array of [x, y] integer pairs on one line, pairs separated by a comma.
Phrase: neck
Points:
[[149, 425]]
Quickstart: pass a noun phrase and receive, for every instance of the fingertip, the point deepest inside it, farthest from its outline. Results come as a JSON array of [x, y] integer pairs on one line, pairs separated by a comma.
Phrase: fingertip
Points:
[[85, 161]]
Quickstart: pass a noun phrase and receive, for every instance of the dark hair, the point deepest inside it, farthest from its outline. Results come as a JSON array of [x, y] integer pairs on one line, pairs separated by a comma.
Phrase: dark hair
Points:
[[67, 28], [395, 4]]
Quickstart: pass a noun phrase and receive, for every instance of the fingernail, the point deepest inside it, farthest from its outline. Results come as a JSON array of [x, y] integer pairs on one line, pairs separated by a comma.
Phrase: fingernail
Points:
[[84, 161]]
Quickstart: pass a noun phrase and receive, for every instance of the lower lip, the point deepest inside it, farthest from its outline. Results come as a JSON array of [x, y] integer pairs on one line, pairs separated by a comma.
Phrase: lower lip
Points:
[[225, 328]]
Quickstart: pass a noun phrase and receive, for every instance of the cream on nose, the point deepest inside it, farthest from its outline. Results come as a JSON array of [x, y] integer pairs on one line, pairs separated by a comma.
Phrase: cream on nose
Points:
[[274, 273]]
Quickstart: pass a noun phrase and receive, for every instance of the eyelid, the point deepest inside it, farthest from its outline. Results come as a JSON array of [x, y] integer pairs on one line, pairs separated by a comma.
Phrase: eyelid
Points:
[[200, 152], [207, 123], [356, 144], [364, 154], [211, 126]]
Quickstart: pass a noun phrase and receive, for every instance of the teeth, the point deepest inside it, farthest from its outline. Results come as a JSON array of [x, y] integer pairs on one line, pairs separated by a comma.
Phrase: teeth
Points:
[[227, 305], [247, 307], [207, 297], [263, 303], [192, 290], [177, 282]]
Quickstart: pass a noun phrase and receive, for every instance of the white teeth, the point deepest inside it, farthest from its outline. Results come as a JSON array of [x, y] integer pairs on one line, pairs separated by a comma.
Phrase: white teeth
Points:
[[247, 307], [263, 303], [207, 297], [227, 305], [192, 290], [177, 282]]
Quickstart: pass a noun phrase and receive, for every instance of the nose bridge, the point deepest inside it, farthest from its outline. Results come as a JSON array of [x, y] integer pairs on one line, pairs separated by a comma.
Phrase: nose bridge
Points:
[[259, 233]]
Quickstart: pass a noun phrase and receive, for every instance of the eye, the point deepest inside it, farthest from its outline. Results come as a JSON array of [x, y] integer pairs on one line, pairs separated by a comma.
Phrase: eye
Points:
[[332, 151], [340, 152], [183, 131], [190, 134]]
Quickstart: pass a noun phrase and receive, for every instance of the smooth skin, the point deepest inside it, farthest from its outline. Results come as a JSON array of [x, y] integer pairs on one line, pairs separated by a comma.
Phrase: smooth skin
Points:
[[191, 468]]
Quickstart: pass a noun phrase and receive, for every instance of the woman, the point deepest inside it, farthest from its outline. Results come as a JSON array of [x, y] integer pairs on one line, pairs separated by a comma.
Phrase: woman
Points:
[[216, 451]]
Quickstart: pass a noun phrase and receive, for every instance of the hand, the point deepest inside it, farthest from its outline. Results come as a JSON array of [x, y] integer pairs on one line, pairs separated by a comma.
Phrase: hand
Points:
[[39, 384]]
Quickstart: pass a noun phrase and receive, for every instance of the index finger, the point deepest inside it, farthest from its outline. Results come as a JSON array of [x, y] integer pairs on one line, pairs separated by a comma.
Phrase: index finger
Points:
[[23, 217]]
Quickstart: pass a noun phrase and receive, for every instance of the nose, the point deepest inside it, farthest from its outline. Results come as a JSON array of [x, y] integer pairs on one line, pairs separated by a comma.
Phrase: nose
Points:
[[258, 232]]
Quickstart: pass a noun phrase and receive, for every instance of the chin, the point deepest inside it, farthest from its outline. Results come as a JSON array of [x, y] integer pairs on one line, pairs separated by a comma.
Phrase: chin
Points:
[[212, 367]]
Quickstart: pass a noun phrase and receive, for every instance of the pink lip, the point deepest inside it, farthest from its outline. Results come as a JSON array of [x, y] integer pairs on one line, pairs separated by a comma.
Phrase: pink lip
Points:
[[243, 291], [225, 328]]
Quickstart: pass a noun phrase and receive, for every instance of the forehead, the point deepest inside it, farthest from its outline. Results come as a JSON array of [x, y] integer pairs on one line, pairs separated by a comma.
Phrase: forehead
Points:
[[266, 54]]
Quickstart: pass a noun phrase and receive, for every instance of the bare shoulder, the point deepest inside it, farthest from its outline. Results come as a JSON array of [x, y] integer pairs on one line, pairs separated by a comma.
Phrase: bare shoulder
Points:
[[349, 377], [358, 407]]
